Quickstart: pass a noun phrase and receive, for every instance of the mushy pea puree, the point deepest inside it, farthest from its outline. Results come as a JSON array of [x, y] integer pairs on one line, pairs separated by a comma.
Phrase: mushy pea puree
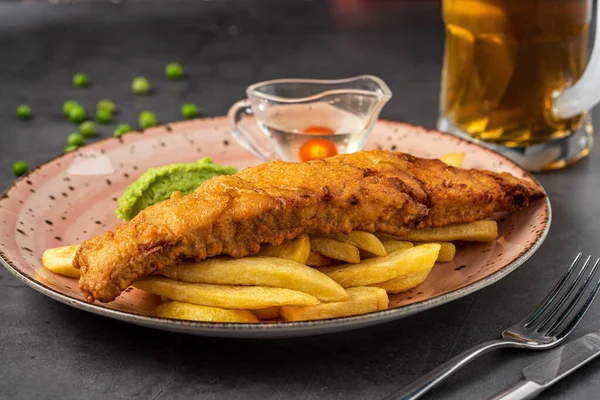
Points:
[[157, 184]]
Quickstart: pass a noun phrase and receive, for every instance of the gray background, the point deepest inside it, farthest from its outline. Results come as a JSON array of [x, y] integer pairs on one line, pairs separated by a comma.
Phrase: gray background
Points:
[[49, 350]]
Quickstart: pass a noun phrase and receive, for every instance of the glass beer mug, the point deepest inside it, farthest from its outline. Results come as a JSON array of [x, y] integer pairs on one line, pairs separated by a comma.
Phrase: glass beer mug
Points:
[[515, 78]]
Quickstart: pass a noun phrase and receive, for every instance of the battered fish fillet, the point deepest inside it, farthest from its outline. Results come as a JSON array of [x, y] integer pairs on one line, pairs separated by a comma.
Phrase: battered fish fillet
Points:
[[370, 190]]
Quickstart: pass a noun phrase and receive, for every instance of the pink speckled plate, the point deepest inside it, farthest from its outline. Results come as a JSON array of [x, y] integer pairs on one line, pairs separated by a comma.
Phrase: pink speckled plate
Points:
[[73, 197]]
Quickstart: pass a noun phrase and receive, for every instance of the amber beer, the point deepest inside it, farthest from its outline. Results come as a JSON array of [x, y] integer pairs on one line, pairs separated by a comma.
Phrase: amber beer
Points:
[[503, 60]]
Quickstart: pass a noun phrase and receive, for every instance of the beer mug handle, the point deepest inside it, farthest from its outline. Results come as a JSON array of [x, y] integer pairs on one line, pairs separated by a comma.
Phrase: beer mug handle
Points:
[[585, 93], [246, 138]]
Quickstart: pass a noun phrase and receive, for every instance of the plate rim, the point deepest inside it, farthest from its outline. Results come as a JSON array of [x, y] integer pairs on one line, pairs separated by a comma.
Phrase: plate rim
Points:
[[283, 329]]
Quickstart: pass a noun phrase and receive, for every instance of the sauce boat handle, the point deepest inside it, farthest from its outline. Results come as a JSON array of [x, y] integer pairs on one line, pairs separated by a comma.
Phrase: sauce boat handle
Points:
[[243, 136]]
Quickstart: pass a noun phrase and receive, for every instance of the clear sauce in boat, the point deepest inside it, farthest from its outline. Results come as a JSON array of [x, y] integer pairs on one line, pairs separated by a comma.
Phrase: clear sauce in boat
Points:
[[305, 132]]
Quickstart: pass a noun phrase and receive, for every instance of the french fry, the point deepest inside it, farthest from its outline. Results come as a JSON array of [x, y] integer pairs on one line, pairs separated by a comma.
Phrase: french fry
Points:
[[362, 240], [390, 246], [224, 296], [381, 269], [453, 159], [60, 261], [295, 250], [362, 300], [405, 282], [395, 245], [259, 271], [335, 249], [386, 236], [267, 313], [478, 231], [319, 260], [194, 312], [447, 251]]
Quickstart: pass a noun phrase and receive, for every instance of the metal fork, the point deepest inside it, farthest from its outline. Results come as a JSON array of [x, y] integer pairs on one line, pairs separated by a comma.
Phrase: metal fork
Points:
[[545, 327]]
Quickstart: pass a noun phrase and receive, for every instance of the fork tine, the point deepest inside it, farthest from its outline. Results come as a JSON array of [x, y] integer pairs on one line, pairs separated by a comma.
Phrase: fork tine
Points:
[[564, 297], [580, 313], [575, 300], [542, 307]]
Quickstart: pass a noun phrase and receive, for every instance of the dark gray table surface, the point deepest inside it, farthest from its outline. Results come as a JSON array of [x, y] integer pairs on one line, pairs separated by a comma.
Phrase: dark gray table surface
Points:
[[49, 350]]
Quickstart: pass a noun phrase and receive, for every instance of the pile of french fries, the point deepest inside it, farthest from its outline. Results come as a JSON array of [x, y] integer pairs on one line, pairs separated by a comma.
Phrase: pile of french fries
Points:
[[308, 278]]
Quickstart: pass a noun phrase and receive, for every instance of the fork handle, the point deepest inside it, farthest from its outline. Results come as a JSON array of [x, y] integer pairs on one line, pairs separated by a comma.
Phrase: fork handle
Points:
[[433, 378]]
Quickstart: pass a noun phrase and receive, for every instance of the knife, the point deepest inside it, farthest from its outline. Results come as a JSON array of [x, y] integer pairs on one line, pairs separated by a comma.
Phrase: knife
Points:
[[553, 367]]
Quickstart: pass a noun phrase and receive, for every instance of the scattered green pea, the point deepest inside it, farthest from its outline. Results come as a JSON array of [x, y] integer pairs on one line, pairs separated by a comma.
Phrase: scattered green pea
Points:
[[140, 85], [103, 116], [71, 148], [76, 139], [24, 111], [77, 114], [20, 168], [189, 111], [88, 129], [147, 119], [80, 80], [106, 105], [69, 105], [174, 71], [121, 130]]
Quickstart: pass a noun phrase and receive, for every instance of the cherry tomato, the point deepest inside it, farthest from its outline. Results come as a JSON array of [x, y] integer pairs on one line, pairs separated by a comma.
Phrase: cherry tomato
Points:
[[318, 130], [317, 148]]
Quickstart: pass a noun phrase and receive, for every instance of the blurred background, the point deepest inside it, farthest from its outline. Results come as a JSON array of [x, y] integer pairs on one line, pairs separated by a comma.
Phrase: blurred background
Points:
[[224, 46]]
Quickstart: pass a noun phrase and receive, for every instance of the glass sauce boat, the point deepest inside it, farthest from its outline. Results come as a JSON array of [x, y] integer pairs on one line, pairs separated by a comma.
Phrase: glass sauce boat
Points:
[[304, 119]]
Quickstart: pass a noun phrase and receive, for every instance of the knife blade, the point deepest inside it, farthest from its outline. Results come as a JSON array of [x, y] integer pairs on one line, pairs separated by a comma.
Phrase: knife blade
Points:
[[552, 367]]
